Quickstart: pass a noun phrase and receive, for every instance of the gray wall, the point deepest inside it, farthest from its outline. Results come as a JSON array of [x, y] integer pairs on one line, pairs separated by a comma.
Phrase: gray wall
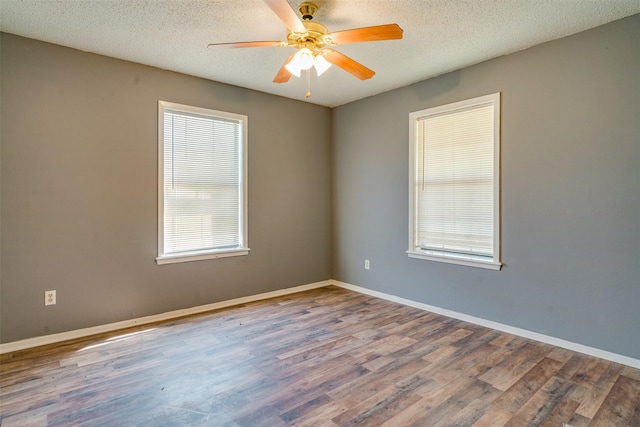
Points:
[[79, 192], [570, 191], [78, 176]]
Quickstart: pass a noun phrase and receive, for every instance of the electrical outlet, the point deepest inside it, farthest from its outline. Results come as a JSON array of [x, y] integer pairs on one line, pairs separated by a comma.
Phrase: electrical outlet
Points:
[[366, 264], [50, 297]]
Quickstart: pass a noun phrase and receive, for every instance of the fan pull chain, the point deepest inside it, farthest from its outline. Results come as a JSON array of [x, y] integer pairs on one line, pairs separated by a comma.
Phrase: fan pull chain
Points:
[[308, 95]]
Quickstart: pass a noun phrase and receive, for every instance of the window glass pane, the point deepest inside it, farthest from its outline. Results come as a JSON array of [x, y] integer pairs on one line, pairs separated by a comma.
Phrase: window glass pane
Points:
[[202, 182], [454, 180], [455, 194]]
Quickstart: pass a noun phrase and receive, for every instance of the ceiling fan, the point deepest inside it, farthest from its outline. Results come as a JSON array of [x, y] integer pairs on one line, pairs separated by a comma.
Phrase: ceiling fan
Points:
[[312, 40]]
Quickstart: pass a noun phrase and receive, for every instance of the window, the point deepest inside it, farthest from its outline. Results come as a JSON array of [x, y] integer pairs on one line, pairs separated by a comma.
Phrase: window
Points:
[[202, 192], [454, 213]]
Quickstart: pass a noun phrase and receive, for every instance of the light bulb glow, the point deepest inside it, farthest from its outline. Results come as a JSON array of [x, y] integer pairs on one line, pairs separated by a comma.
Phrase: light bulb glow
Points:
[[304, 58]]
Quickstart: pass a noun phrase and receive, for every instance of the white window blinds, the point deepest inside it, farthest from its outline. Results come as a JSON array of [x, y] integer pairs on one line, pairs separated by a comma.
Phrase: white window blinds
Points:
[[203, 188], [455, 180]]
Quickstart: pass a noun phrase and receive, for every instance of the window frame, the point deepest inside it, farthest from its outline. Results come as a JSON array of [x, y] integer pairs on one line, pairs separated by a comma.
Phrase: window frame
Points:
[[493, 262], [197, 255]]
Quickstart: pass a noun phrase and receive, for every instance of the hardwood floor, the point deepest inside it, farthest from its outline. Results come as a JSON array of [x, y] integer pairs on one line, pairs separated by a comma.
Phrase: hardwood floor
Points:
[[327, 357]]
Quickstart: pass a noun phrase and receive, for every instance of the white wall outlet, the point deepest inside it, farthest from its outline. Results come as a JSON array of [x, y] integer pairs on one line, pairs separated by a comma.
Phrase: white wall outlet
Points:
[[366, 264], [50, 297]]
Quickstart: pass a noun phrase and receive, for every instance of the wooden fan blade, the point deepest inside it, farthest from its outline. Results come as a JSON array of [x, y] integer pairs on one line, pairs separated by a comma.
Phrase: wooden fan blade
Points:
[[246, 44], [283, 75], [347, 64], [367, 34], [286, 15]]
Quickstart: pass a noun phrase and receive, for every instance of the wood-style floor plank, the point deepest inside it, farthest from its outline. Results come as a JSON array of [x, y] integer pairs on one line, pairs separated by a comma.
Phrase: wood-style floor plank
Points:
[[327, 357], [618, 407]]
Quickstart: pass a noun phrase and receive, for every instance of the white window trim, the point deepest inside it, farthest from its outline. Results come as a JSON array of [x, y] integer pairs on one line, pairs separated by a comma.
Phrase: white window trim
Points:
[[460, 259], [209, 254]]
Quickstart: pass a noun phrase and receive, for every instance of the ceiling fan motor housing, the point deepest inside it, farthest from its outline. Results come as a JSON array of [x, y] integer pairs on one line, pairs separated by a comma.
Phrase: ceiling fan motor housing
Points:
[[314, 37]]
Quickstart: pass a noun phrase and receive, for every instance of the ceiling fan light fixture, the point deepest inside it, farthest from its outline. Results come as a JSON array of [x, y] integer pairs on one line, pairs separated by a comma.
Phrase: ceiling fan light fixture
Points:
[[321, 65], [293, 68], [302, 60]]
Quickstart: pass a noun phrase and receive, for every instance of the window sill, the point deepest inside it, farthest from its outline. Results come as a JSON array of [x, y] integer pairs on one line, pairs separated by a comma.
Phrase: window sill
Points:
[[199, 256], [467, 260]]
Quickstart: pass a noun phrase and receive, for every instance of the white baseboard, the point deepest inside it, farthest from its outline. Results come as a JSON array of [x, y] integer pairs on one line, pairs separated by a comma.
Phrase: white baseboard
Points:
[[614, 357], [80, 333]]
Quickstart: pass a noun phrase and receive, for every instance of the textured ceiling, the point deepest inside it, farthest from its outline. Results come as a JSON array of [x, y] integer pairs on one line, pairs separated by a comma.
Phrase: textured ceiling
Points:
[[439, 36]]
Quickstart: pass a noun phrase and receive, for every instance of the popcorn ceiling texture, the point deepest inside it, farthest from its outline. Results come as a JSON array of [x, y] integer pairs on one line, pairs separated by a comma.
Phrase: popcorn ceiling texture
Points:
[[439, 36]]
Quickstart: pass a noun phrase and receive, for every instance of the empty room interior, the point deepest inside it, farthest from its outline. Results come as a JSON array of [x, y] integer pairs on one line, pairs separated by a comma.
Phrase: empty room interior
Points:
[[348, 282]]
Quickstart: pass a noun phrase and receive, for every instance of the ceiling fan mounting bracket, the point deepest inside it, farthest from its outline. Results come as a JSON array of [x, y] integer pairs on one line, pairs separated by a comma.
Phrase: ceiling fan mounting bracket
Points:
[[307, 10]]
